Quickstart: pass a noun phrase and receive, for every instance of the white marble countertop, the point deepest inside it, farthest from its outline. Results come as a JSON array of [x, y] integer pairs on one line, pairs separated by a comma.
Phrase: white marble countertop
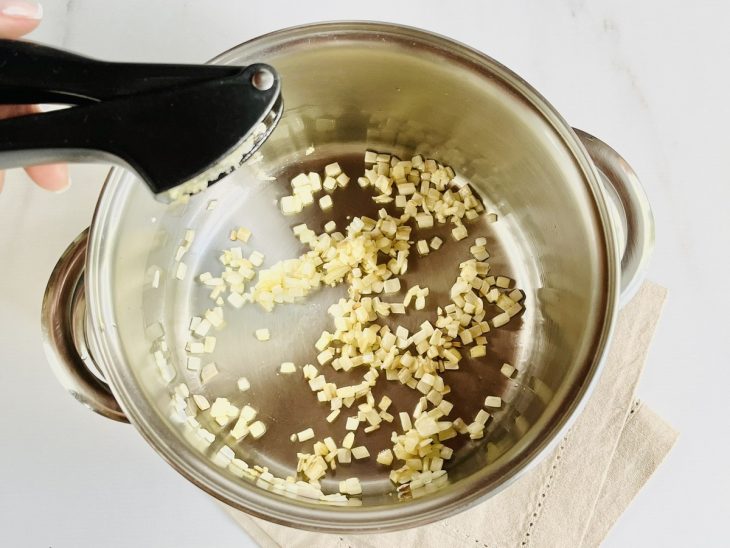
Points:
[[650, 78]]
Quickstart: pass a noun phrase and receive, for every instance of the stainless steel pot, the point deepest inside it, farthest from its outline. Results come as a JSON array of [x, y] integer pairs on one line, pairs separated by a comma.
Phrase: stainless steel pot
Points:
[[575, 231]]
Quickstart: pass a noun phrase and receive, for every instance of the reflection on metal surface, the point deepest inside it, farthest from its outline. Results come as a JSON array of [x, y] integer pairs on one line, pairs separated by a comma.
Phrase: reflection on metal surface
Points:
[[634, 212], [63, 321]]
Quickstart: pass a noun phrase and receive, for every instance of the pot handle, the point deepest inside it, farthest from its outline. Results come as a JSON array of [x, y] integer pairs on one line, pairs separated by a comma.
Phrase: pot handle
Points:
[[63, 321], [630, 210]]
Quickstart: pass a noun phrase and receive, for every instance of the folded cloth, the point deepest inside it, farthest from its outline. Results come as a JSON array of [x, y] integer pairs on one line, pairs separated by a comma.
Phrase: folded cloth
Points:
[[575, 494]]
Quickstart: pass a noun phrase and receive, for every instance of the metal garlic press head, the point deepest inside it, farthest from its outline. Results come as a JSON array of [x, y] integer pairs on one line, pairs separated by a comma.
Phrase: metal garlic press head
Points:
[[179, 127]]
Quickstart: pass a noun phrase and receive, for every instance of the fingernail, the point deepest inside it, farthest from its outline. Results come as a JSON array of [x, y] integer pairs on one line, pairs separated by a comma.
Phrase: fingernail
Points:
[[21, 10], [65, 188]]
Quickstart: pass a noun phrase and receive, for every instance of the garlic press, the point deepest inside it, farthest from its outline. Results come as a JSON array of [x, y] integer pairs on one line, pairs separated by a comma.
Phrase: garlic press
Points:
[[179, 127]]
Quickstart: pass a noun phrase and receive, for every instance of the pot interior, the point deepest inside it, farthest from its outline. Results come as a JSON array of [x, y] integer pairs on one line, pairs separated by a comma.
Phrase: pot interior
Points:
[[349, 88]]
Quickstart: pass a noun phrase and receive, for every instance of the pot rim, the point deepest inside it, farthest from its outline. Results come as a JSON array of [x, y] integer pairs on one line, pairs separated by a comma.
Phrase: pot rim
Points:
[[270, 506]]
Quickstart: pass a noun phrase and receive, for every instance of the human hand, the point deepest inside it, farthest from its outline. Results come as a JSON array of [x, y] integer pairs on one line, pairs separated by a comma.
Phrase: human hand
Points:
[[18, 18]]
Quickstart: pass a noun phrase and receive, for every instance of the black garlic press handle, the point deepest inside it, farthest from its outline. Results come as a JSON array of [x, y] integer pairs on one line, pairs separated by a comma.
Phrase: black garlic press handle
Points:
[[32, 73], [168, 123]]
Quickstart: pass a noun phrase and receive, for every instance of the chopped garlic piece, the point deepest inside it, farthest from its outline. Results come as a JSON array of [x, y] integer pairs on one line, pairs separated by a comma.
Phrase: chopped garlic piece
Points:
[[317, 383], [287, 368], [256, 258], [424, 220], [352, 423], [291, 205], [384, 404], [482, 417], [305, 195], [459, 233], [220, 408], [309, 371], [478, 351], [193, 363], [208, 372], [240, 430], [305, 435], [436, 243], [445, 407], [181, 270], [325, 356], [209, 344], [248, 413], [182, 390], [406, 189], [329, 184], [507, 370], [263, 334], [342, 180], [516, 295], [243, 234], [202, 326], [243, 384], [201, 401], [300, 180], [330, 444], [391, 286], [350, 486], [479, 252], [236, 300], [501, 319], [325, 202], [215, 317], [344, 456], [405, 421], [257, 429], [493, 401], [332, 170], [503, 282], [315, 181], [385, 457], [195, 347], [206, 435]]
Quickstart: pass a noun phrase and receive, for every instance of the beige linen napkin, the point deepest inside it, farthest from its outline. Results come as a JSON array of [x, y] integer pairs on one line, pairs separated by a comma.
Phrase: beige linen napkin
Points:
[[574, 496]]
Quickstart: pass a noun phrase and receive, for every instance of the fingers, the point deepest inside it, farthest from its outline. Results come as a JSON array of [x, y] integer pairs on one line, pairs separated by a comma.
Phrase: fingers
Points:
[[11, 111], [18, 17], [52, 177]]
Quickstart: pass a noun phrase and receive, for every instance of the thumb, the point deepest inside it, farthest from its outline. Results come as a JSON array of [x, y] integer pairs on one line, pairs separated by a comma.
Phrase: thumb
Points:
[[18, 17]]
